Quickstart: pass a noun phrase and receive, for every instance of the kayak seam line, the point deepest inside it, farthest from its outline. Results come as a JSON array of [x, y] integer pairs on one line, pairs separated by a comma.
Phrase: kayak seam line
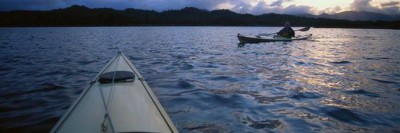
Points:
[[74, 105], [148, 93]]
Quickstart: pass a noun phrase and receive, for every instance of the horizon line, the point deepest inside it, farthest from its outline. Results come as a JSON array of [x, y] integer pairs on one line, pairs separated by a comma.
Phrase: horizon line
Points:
[[189, 7]]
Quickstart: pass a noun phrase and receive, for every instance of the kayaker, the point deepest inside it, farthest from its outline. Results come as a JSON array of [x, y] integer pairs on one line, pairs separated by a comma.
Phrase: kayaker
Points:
[[287, 31]]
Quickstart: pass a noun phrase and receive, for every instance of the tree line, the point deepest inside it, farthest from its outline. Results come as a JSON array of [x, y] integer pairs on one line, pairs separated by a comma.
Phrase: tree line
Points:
[[189, 16]]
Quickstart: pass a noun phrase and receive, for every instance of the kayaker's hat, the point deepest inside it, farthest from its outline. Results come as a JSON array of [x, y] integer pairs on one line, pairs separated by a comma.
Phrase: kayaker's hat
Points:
[[287, 23]]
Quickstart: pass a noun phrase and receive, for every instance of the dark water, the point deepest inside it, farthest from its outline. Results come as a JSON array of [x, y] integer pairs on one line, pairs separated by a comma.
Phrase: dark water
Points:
[[344, 80]]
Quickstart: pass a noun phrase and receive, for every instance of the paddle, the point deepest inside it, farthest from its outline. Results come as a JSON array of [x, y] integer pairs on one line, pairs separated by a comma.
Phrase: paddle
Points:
[[302, 29]]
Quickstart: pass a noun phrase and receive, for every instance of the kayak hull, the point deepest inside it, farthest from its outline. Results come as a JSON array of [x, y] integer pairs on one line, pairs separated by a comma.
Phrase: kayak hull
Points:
[[257, 39], [117, 106]]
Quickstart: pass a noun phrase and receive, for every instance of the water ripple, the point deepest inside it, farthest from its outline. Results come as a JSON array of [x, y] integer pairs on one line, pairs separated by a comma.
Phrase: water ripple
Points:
[[344, 81]]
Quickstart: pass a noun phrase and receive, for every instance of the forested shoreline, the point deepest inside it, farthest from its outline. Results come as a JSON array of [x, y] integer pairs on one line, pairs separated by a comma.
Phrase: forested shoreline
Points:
[[83, 16]]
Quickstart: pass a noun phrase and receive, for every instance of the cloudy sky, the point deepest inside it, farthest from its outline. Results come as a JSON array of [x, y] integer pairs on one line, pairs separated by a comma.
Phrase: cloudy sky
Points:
[[240, 6]]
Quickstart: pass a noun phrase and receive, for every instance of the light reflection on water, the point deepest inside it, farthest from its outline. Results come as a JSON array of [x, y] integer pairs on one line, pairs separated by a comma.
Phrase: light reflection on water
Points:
[[342, 80]]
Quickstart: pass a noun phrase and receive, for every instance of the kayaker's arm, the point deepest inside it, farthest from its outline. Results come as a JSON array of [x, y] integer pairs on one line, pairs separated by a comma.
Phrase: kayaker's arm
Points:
[[302, 29]]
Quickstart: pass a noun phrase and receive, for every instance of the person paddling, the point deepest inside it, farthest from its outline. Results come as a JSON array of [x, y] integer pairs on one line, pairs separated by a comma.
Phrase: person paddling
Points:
[[287, 31]]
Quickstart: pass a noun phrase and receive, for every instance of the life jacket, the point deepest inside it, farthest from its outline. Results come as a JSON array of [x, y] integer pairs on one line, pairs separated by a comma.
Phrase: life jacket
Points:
[[286, 32]]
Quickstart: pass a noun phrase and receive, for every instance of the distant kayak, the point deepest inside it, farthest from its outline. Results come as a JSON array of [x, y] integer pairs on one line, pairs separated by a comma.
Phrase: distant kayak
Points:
[[257, 39], [117, 100]]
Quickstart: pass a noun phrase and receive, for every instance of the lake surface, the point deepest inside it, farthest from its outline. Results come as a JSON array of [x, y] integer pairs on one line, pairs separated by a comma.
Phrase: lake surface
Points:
[[343, 80]]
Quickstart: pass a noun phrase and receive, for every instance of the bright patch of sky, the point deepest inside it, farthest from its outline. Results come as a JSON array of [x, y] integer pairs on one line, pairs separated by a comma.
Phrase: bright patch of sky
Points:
[[240, 6]]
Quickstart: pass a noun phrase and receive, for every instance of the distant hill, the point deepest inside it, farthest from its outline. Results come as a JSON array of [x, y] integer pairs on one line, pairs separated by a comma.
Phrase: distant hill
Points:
[[83, 16], [357, 16]]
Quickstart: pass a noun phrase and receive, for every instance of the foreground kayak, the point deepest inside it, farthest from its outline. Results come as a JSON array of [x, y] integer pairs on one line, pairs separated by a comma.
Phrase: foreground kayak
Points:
[[257, 39], [117, 100]]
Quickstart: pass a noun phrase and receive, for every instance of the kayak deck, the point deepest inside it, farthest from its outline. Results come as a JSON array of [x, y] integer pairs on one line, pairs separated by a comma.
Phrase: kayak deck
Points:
[[116, 106], [257, 39]]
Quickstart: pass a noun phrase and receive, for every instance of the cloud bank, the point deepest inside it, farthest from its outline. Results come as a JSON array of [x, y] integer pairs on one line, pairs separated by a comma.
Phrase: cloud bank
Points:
[[240, 6], [365, 5], [277, 6]]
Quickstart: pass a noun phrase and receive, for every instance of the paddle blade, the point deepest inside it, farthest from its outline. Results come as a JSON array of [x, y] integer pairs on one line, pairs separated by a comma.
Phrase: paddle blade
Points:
[[304, 29]]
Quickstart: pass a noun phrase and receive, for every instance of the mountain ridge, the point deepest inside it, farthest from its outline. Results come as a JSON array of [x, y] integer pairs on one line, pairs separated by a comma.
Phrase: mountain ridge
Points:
[[189, 16], [356, 16]]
